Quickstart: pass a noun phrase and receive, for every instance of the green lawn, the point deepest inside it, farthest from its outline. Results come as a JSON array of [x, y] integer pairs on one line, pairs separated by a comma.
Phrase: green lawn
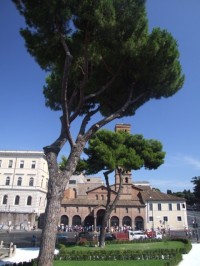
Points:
[[135, 246], [132, 246]]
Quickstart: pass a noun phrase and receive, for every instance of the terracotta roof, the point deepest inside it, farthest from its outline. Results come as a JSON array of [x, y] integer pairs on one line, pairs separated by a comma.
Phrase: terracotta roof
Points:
[[155, 195], [102, 187], [89, 202]]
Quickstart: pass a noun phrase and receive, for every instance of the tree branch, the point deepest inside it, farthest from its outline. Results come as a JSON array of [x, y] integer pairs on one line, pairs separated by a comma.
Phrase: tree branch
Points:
[[105, 87], [113, 116], [86, 120], [64, 102], [57, 145]]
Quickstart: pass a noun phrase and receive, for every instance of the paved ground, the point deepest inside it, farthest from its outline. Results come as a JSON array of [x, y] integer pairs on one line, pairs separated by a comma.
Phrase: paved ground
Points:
[[192, 258], [22, 254], [26, 254]]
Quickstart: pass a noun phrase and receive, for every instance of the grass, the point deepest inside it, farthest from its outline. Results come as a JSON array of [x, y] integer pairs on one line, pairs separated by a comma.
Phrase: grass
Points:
[[135, 246], [110, 263], [132, 246]]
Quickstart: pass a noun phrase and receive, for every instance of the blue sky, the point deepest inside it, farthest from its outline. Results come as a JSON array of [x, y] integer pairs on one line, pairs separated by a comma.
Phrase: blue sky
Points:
[[26, 124]]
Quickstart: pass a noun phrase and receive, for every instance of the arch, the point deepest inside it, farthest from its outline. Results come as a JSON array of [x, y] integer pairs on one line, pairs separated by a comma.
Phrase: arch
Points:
[[5, 199], [29, 200], [7, 181], [114, 221], [139, 223], [19, 181], [127, 221], [31, 181], [76, 220], [64, 220], [126, 180], [100, 215], [74, 193], [89, 220], [17, 198]]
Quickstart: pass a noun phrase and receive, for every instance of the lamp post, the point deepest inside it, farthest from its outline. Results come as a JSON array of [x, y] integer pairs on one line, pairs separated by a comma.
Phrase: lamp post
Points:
[[152, 213], [195, 224]]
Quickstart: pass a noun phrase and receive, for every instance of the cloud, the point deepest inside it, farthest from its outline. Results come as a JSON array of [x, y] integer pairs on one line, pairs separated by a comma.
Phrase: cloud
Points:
[[192, 161], [164, 184], [179, 160]]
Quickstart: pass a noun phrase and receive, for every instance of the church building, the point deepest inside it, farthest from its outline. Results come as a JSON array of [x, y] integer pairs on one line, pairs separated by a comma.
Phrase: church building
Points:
[[139, 206]]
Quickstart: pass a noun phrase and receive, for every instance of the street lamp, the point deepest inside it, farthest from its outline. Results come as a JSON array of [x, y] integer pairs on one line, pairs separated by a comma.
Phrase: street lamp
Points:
[[195, 224], [151, 209]]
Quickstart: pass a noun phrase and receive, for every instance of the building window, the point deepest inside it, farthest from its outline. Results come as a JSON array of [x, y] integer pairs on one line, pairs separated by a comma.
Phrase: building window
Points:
[[151, 206], [29, 200], [170, 207], [17, 200], [21, 164], [31, 182], [33, 164], [150, 218], [96, 197], [19, 181], [126, 180], [126, 210], [165, 219], [7, 181], [178, 207], [88, 180], [10, 164], [0, 163], [183, 206], [72, 182], [179, 219], [102, 197], [5, 199], [77, 209], [159, 207]]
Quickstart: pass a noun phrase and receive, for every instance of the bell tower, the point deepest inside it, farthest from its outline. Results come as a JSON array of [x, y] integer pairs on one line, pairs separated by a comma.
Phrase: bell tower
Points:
[[127, 175]]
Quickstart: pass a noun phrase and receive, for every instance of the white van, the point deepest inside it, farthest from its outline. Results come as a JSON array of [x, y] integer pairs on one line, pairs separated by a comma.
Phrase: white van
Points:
[[137, 235]]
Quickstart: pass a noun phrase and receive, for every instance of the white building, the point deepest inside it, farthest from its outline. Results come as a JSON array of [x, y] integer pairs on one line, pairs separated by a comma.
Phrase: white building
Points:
[[23, 187]]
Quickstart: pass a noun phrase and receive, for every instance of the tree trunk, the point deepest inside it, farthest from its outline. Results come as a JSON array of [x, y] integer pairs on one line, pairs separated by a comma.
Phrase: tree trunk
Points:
[[56, 186], [110, 205], [52, 211], [48, 238], [103, 229]]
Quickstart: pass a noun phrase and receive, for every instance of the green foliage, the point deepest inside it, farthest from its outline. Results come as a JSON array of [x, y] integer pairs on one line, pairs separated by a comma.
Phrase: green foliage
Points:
[[129, 253], [108, 150], [196, 182], [109, 41], [81, 166], [188, 195]]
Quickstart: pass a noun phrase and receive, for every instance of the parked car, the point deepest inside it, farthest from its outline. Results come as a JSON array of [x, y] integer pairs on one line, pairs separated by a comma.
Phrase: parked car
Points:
[[109, 237], [61, 238], [154, 234], [89, 236], [137, 235]]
